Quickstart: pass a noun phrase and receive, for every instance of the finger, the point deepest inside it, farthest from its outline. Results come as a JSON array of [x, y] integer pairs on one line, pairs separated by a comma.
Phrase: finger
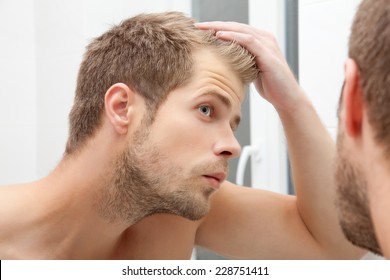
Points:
[[221, 25], [231, 26], [248, 41], [266, 52], [257, 45]]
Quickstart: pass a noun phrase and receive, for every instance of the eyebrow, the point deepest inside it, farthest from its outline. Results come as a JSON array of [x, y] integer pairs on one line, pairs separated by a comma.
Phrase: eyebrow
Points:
[[227, 103]]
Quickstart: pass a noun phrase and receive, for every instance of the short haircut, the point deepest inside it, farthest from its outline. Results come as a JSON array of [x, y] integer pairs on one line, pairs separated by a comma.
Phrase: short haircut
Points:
[[152, 55], [369, 46]]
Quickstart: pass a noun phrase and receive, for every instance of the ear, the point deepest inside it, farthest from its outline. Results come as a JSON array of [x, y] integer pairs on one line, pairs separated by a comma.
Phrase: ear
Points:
[[118, 101], [352, 99]]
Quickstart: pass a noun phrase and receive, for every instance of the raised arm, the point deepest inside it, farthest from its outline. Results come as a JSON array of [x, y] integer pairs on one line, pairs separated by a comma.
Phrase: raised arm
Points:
[[248, 223]]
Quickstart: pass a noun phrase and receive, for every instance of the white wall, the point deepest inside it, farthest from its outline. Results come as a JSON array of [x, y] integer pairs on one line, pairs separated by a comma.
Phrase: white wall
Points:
[[17, 91], [60, 39], [324, 28], [41, 49]]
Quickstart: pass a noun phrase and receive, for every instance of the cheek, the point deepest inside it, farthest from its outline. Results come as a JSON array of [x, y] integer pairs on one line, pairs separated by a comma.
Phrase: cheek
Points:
[[181, 138]]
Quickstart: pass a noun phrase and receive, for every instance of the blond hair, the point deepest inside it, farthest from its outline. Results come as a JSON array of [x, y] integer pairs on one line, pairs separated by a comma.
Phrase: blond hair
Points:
[[150, 53]]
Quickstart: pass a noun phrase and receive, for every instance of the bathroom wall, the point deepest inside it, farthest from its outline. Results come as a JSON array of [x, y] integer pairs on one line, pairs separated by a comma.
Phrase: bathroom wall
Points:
[[324, 27], [42, 43], [18, 120]]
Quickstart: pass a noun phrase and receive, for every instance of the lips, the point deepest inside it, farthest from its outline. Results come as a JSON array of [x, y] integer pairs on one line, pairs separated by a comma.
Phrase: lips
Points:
[[215, 179]]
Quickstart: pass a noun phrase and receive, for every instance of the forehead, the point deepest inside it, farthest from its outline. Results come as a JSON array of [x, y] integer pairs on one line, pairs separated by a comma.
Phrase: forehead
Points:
[[211, 69]]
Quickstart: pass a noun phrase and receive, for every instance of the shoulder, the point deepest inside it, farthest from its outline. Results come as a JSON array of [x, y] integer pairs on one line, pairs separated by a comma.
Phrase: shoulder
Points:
[[7, 195], [11, 205], [13, 201]]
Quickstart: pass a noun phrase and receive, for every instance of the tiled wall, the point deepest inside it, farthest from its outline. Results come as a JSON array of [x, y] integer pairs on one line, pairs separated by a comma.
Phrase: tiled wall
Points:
[[41, 47]]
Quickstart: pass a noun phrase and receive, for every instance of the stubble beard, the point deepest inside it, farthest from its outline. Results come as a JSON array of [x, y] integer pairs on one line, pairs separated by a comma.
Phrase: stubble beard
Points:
[[144, 182], [353, 203]]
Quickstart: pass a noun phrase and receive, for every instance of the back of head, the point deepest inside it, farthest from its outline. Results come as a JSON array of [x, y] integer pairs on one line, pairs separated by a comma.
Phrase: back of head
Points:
[[150, 53], [369, 46]]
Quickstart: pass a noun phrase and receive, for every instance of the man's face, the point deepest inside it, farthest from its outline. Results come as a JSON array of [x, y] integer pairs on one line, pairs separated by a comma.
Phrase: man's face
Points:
[[174, 164], [352, 200]]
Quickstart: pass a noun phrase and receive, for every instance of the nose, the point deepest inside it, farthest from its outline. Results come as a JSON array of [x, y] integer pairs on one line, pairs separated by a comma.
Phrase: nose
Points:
[[227, 146]]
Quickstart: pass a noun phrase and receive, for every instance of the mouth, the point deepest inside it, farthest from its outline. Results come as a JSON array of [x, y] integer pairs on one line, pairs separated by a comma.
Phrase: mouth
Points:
[[215, 179]]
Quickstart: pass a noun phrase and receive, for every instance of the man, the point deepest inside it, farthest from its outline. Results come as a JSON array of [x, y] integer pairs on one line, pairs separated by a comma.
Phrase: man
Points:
[[363, 144], [151, 131]]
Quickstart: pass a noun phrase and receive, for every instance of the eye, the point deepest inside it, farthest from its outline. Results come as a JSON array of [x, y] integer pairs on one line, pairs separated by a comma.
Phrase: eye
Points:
[[205, 110]]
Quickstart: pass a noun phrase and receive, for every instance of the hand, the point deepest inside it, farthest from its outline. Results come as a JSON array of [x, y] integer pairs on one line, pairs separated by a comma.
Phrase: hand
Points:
[[276, 82]]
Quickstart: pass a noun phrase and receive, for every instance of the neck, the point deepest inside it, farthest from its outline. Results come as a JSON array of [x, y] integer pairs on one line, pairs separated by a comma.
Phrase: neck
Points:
[[379, 194], [67, 224], [377, 167]]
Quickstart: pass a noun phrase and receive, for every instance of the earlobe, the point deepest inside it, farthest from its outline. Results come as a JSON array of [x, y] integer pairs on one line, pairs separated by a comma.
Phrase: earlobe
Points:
[[118, 101], [353, 99]]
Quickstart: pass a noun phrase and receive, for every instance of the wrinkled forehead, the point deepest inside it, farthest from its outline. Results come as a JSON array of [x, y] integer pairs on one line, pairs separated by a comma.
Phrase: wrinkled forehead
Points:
[[210, 67]]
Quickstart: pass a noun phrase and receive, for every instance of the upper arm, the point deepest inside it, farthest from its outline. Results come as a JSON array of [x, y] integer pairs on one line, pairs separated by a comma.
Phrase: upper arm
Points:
[[255, 224]]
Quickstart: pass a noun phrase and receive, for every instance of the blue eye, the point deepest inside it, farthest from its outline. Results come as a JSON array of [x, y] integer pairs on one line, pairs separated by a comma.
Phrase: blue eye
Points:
[[205, 110]]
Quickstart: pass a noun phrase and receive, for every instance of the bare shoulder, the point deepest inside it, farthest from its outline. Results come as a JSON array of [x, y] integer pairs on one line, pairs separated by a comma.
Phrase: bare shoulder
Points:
[[12, 201], [11, 209], [7, 195], [13, 190]]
